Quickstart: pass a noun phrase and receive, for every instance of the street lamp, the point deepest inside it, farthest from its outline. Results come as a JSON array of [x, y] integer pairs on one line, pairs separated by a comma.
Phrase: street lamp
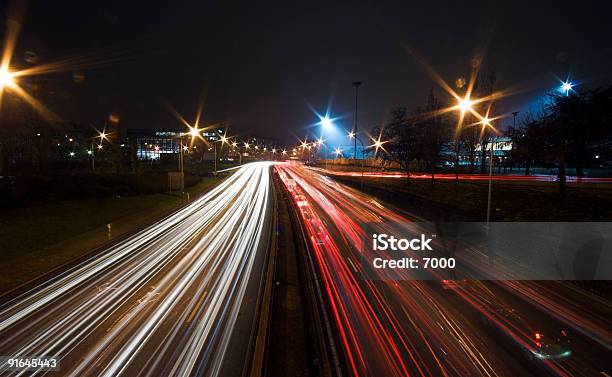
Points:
[[326, 122], [566, 87], [352, 135], [356, 84], [7, 78], [102, 135], [223, 140], [486, 122], [465, 104]]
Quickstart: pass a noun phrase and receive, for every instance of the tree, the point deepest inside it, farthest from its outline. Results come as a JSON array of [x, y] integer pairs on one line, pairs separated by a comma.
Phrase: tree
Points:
[[433, 133], [527, 142], [401, 138], [574, 125]]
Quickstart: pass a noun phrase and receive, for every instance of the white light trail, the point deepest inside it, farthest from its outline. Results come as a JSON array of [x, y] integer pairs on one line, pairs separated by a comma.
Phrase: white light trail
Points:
[[164, 301]]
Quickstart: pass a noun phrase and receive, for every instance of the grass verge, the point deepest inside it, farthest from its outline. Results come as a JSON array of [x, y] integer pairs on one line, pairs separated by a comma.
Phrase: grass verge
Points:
[[35, 240], [467, 201]]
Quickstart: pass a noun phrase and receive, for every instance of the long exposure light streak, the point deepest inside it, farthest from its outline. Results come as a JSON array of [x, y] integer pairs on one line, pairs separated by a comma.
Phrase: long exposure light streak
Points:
[[430, 328], [164, 301]]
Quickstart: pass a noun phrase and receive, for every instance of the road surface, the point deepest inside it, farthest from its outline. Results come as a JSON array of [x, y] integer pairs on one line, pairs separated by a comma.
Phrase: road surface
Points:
[[464, 177], [178, 298], [435, 328]]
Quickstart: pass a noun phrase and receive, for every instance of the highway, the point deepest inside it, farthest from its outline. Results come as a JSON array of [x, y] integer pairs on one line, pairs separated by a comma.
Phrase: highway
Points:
[[409, 326], [178, 298], [463, 177]]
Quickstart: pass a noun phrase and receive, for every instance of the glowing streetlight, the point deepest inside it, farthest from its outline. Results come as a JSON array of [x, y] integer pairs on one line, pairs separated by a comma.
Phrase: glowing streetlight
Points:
[[465, 104], [194, 132], [351, 135], [100, 146], [7, 78], [246, 145], [566, 87], [486, 122], [326, 122]]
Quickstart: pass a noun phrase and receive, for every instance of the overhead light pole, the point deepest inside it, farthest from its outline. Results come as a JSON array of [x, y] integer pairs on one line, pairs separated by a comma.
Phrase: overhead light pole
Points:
[[486, 122], [356, 84], [514, 114], [354, 136]]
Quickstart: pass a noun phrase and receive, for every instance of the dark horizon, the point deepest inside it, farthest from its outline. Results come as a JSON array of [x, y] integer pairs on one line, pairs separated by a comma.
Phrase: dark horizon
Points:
[[261, 67]]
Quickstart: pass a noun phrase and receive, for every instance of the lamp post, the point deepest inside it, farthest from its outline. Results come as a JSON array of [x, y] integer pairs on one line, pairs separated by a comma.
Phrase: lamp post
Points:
[[223, 140], [352, 135], [514, 114], [103, 136], [486, 122], [356, 84], [490, 184]]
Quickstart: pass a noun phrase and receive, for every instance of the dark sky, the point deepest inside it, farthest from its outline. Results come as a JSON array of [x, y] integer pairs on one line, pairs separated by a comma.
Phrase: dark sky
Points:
[[261, 64]]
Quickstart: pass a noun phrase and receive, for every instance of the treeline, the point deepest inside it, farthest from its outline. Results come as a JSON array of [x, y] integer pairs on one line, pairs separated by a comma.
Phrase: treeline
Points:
[[569, 130], [573, 129]]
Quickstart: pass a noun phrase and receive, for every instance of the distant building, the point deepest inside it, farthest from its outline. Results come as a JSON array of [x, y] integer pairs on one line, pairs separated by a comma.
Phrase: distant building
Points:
[[152, 144], [262, 141]]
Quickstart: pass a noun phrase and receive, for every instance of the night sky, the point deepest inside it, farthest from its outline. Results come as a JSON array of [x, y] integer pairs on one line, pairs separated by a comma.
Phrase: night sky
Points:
[[260, 66]]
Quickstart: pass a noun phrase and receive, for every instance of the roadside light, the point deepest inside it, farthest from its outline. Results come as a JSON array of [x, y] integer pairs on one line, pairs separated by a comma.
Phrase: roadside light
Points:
[[194, 132], [465, 104], [71, 154], [326, 122], [566, 87], [99, 146], [223, 139], [6, 78], [486, 122], [351, 135], [246, 145], [89, 152]]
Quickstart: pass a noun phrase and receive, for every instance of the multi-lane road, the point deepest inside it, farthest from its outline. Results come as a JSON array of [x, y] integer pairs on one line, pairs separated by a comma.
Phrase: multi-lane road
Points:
[[464, 177], [178, 298], [182, 297], [437, 328]]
